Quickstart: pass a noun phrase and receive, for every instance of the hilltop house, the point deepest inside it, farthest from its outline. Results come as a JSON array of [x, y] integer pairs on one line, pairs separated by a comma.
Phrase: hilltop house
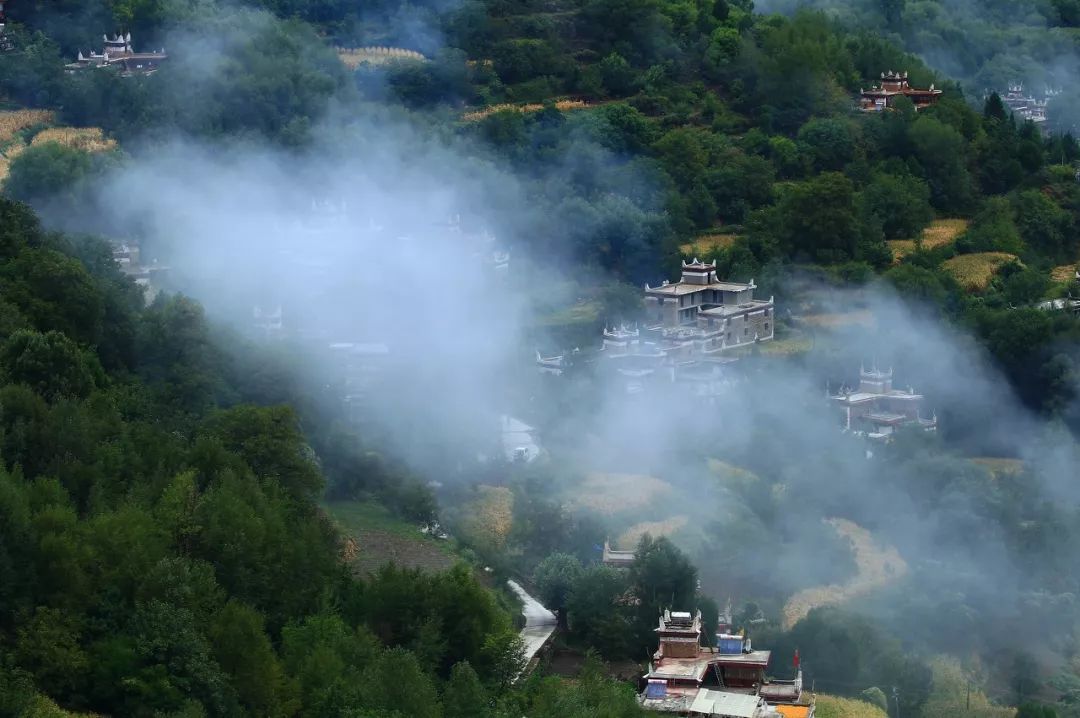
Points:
[[877, 409], [118, 54], [727, 679], [691, 328], [893, 86]]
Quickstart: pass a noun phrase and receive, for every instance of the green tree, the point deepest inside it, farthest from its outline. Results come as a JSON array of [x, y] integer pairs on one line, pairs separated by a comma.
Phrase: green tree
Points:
[[901, 203], [464, 696], [48, 171], [50, 363], [818, 220], [244, 652], [555, 578]]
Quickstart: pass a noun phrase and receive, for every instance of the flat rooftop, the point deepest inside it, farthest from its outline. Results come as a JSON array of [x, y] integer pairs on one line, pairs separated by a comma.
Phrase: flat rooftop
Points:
[[727, 310]]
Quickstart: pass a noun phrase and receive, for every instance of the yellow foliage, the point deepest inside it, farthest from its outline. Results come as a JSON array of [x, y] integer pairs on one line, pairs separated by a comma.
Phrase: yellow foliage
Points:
[[836, 707], [16, 121], [862, 317], [974, 271], [949, 696]]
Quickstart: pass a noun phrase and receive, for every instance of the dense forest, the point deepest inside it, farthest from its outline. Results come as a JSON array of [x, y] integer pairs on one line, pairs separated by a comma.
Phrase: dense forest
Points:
[[165, 543]]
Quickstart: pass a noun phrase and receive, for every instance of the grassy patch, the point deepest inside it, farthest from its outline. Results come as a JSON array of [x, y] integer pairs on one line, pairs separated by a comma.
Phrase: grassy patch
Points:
[[374, 537], [580, 313], [974, 271], [836, 707], [862, 317], [1000, 467], [705, 243], [950, 695]]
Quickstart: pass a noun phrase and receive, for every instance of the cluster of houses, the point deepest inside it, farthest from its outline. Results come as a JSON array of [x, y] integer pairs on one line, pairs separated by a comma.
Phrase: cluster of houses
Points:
[[697, 328], [726, 679]]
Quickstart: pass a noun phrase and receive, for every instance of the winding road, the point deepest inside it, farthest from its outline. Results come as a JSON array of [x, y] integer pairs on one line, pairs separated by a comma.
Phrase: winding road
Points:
[[539, 623]]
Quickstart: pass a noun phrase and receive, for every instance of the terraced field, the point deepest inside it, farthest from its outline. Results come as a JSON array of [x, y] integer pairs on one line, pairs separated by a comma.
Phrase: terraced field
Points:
[[938, 234], [877, 566], [373, 537], [974, 271], [836, 707]]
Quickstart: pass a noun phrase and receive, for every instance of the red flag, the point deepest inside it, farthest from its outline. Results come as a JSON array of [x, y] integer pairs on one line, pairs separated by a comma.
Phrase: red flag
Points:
[[796, 658]]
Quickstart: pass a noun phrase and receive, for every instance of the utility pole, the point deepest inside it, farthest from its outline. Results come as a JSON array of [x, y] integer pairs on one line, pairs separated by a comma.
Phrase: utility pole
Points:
[[896, 697], [967, 703]]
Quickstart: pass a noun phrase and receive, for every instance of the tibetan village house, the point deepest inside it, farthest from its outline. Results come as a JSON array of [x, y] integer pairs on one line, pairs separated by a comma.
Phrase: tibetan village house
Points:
[[727, 680], [877, 410], [691, 328], [118, 54], [893, 86]]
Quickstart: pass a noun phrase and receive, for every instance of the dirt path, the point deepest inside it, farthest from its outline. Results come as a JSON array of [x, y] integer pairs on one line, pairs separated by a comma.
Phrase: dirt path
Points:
[[877, 566]]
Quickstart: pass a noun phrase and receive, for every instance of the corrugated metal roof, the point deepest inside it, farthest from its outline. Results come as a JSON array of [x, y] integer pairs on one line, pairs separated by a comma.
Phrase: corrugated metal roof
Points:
[[720, 703]]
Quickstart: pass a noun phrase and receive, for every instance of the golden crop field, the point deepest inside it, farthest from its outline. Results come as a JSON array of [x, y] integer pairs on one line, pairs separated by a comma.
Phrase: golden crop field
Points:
[[561, 105], [1064, 273], [613, 493], [353, 58], [939, 233], [89, 139], [974, 271], [492, 514], [669, 526], [15, 121], [836, 707], [877, 566], [705, 243]]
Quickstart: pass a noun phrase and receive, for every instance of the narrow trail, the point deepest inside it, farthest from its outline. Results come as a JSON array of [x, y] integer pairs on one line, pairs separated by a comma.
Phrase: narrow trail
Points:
[[877, 566], [539, 624]]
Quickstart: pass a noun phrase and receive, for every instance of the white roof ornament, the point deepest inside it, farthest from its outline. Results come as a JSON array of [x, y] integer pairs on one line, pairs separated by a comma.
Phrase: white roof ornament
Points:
[[127, 38], [105, 38], [81, 58]]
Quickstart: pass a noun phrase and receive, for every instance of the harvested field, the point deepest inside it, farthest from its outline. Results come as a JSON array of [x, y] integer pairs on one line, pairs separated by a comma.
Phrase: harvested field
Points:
[[1064, 273], [877, 566], [836, 707], [705, 243], [15, 121], [667, 527], [613, 493], [974, 271], [88, 139], [353, 58], [373, 538], [561, 105], [939, 233]]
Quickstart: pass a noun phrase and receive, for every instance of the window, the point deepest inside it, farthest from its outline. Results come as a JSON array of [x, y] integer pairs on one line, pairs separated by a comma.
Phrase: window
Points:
[[766, 326]]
